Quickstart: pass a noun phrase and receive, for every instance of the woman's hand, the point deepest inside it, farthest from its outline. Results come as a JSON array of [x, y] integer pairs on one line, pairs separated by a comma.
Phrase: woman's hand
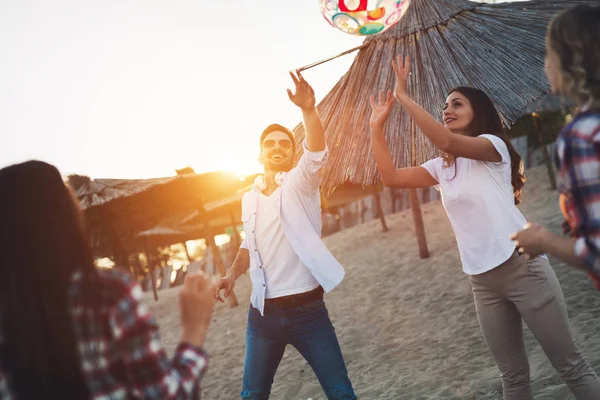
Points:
[[380, 109], [402, 71]]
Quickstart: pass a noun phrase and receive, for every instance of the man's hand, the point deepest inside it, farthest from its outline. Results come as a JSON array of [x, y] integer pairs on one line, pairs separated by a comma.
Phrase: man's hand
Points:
[[226, 283], [305, 95]]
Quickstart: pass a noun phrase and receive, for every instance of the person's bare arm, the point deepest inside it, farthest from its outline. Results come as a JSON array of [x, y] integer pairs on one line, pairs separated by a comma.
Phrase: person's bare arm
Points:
[[239, 266], [304, 98], [413, 177]]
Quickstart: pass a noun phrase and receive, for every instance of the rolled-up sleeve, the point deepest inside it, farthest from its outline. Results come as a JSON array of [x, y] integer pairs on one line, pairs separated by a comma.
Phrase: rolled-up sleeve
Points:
[[307, 173]]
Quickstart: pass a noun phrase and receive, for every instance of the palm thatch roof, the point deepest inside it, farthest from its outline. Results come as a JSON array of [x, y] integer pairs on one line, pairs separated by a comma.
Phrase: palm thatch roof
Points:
[[92, 193], [118, 210], [171, 232], [498, 48]]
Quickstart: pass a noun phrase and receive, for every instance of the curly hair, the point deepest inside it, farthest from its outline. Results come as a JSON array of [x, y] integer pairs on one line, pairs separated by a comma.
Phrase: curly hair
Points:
[[574, 35], [487, 120]]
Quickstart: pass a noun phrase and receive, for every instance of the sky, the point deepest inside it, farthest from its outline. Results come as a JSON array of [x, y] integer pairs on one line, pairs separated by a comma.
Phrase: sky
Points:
[[138, 88]]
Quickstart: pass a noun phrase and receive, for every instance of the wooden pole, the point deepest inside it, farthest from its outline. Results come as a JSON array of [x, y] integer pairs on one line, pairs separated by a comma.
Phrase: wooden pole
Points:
[[414, 198], [418, 220], [236, 234], [115, 245], [380, 213], [314, 64], [216, 252], [338, 220], [538, 128], [151, 269], [187, 252]]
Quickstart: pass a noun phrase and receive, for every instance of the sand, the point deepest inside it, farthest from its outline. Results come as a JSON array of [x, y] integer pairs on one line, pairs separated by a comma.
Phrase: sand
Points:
[[407, 327]]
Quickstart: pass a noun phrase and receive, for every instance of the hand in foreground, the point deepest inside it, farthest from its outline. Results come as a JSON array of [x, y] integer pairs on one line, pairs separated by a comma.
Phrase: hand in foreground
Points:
[[305, 95], [196, 302], [529, 240], [380, 109]]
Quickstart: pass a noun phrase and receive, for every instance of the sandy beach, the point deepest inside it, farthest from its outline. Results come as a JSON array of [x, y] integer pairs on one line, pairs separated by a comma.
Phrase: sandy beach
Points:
[[407, 327]]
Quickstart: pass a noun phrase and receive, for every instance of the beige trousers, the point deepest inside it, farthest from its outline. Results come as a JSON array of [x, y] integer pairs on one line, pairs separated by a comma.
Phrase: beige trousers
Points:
[[529, 290]]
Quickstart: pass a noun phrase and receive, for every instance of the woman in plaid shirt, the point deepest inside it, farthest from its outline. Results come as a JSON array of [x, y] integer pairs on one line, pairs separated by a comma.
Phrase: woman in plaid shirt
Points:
[[69, 331], [573, 69]]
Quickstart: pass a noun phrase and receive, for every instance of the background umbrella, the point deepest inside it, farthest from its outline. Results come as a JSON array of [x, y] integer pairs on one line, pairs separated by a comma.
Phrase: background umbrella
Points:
[[117, 211]]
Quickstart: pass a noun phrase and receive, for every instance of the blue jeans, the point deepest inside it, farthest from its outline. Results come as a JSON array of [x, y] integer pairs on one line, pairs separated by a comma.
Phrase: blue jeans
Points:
[[306, 327]]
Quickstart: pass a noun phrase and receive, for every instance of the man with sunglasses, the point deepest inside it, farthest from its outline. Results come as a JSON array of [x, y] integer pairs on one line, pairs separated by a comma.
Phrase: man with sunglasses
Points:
[[290, 267]]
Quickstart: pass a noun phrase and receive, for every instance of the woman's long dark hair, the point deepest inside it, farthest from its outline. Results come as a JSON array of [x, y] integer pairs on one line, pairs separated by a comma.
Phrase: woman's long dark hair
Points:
[[487, 120], [42, 244]]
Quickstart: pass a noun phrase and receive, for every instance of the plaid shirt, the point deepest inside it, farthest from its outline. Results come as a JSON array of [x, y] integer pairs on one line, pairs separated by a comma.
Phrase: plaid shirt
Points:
[[578, 162], [120, 349]]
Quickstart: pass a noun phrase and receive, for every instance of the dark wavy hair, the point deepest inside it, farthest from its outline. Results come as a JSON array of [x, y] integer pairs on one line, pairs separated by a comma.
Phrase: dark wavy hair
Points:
[[574, 35], [487, 120], [42, 244]]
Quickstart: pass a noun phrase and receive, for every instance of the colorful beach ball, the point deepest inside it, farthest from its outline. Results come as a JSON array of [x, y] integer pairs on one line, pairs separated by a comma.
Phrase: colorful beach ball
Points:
[[363, 17]]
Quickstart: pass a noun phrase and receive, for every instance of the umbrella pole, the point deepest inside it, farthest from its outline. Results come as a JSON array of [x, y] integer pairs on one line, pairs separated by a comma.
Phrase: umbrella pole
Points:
[[115, 246], [152, 269], [547, 160], [418, 219], [187, 252], [380, 214], [236, 235]]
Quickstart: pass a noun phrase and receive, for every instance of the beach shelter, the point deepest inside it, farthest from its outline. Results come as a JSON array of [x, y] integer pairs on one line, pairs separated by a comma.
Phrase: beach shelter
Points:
[[118, 210]]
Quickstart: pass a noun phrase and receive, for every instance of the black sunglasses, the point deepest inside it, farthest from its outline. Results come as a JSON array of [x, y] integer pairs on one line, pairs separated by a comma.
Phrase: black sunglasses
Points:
[[284, 144]]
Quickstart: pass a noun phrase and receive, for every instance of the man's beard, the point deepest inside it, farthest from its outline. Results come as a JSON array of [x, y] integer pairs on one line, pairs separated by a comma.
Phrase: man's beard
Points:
[[279, 167]]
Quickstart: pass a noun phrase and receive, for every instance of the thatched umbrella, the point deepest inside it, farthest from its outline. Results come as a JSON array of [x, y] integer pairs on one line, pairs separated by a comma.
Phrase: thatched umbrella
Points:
[[131, 206], [498, 48], [118, 210]]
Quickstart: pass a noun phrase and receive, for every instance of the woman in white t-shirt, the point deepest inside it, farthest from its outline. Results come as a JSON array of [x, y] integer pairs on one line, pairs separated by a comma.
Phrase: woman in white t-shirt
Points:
[[480, 176]]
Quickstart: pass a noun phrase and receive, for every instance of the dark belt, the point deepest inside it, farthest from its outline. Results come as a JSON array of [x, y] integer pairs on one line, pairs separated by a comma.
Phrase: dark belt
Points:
[[297, 299]]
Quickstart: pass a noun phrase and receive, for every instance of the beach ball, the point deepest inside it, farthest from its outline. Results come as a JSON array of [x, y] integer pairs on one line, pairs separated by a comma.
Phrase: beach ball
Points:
[[363, 17]]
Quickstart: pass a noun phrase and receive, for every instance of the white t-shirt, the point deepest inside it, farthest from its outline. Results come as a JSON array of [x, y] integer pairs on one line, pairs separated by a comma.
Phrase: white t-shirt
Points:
[[480, 204], [285, 274]]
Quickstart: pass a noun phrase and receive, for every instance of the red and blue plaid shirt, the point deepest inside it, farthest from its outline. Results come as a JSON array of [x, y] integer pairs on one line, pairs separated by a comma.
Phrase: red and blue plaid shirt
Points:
[[119, 345], [578, 162]]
